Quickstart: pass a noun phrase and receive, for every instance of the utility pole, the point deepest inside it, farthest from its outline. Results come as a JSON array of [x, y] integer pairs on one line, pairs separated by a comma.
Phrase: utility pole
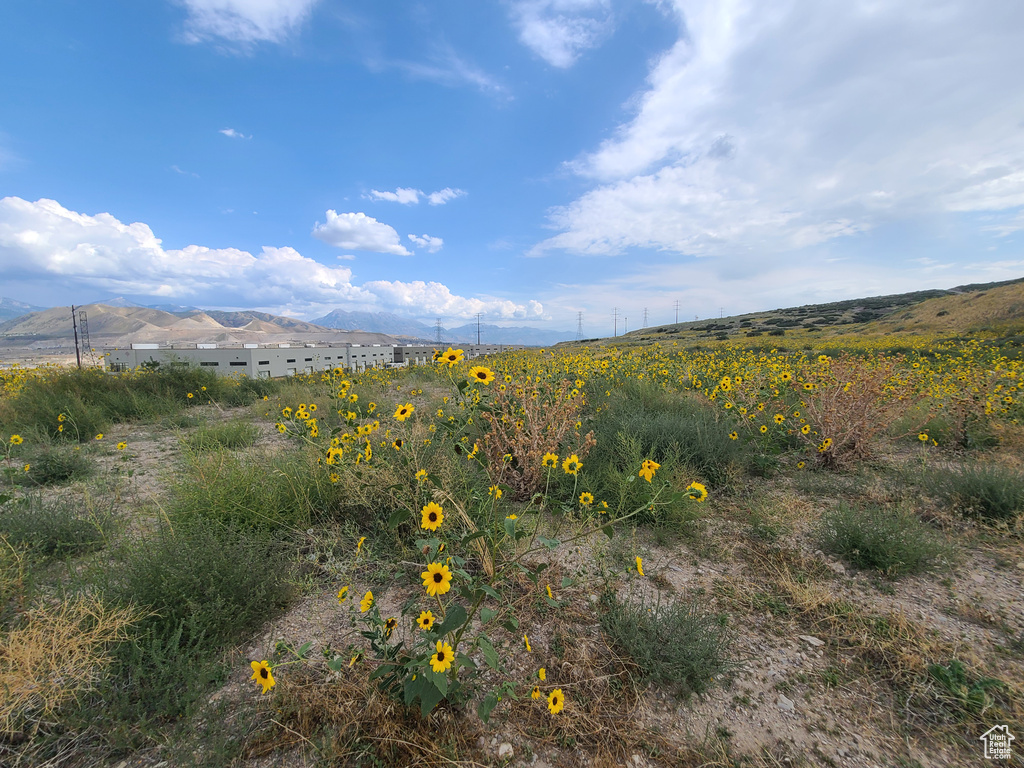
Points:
[[615, 319], [645, 318], [74, 326], [478, 329], [579, 326], [676, 305]]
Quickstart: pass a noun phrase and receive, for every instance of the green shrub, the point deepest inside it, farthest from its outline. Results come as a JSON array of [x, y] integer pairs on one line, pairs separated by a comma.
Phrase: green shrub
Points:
[[53, 528], [987, 491], [680, 645], [965, 693], [205, 587], [55, 464], [286, 490], [230, 434], [92, 399], [668, 426], [890, 541]]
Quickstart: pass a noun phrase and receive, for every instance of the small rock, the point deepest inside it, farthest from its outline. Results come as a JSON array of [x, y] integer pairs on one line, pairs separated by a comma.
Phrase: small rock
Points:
[[1021, 565], [837, 568], [978, 578], [505, 751], [123, 764], [811, 640], [786, 705]]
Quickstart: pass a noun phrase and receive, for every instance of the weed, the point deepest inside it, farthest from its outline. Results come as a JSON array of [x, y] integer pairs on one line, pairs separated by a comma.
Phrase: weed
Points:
[[890, 541], [55, 464], [962, 691], [681, 645], [986, 491], [230, 434], [54, 528]]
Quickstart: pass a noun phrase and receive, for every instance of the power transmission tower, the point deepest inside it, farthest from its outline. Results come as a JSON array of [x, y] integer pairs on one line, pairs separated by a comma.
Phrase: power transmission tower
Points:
[[74, 326], [645, 318], [625, 325], [437, 331], [579, 326], [83, 323], [615, 319], [478, 329], [675, 304]]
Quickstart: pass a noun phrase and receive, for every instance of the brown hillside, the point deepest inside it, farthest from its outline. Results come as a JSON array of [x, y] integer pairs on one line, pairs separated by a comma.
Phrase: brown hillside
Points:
[[998, 309]]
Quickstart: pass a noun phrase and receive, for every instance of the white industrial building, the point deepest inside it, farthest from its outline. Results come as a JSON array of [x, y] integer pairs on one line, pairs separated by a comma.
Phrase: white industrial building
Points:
[[278, 360]]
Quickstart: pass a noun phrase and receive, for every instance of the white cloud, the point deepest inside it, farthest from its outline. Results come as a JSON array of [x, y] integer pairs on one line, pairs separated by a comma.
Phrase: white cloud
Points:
[[178, 170], [442, 196], [359, 232], [560, 30], [410, 196], [771, 127], [231, 133], [44, 244], [429, 298], [432, 244], [403, 195], [244, 21], [446, 67]]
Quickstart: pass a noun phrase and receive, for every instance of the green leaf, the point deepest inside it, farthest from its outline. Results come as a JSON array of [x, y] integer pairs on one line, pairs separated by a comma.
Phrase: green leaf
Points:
[[490, 655], [510, 527], [487, 706], [304, 649], [440, 679], [465, 661], [567, 582], [475, 535], [486, 614], [511, 624], [336, 664], [608, 530], [413, 688], [454, 619], [429, 698], [489, 591], [549, 543], [398, 517]]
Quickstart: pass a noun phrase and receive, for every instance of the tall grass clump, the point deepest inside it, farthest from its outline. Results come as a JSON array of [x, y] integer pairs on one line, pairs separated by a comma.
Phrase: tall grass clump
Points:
[[230, 434], [668, 427], [253, 490], [91, 400], [986, 491], [55, 464], [199, 588], [54, 528], [680, 645], [891, 541]]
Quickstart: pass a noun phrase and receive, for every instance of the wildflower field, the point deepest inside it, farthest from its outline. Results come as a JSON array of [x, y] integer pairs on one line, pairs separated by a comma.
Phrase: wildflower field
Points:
[[637, 555]]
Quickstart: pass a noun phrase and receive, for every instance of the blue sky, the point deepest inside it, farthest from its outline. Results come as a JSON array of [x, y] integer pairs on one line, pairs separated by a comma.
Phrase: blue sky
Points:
[[526, 159]]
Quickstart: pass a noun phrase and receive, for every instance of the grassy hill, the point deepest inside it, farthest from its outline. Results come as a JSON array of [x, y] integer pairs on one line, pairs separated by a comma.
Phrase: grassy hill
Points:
[[992, 309]]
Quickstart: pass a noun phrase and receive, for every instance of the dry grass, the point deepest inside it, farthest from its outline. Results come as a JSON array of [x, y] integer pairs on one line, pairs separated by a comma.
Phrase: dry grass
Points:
[[57, 653]]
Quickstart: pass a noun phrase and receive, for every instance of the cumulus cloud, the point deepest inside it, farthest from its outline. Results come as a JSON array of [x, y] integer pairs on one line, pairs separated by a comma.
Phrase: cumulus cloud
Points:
[[43, 243], [442, 196], [560, 30], [429, 298], [769, 128], [359, 232], [403, 195], [410, 196], [244, 21], [231, 133], [432, 244]]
